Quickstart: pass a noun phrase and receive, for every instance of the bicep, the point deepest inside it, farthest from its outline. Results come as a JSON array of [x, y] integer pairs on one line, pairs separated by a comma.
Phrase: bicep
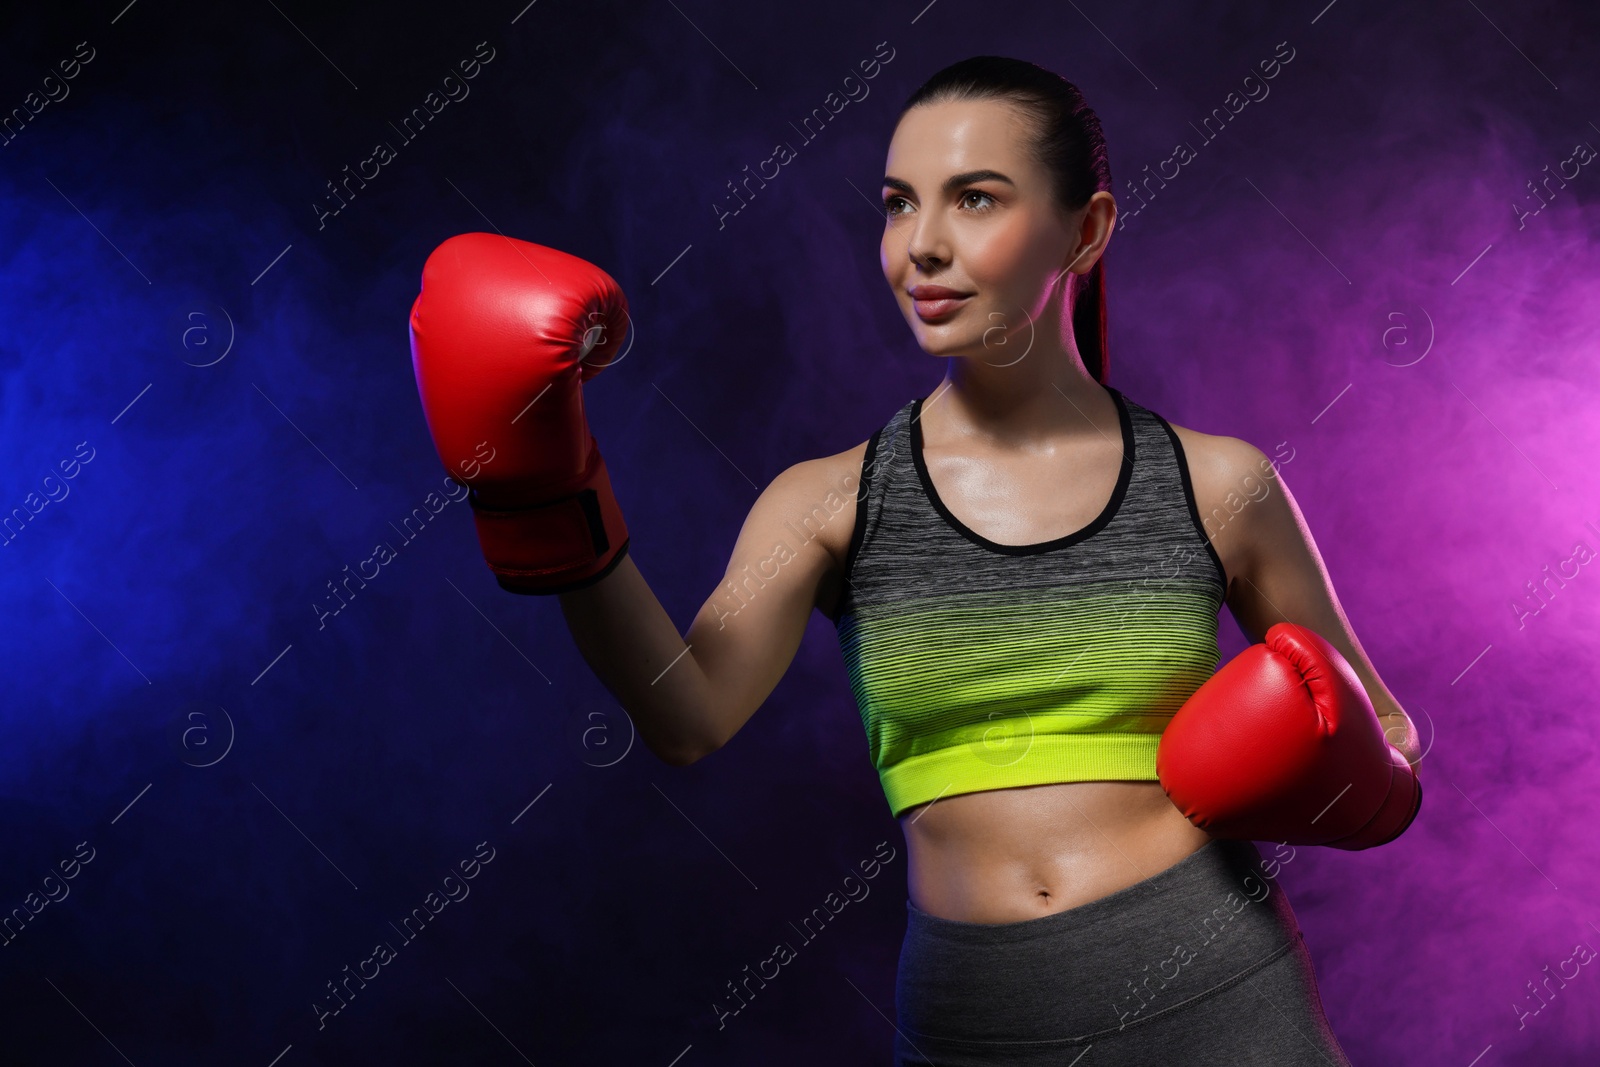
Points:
[[748, 630], [1281, 577]]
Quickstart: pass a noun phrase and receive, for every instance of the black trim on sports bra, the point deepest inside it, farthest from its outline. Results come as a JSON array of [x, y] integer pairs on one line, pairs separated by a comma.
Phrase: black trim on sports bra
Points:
[[1096, 525], [1194, 507], [858, 532], [858, 529]]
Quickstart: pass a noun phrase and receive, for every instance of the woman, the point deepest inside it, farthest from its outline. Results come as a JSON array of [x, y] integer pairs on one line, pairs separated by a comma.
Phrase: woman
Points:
[[1014, 659]]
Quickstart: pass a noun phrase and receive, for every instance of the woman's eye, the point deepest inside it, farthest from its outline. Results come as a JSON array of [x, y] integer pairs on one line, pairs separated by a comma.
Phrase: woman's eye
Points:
[[895, 205]]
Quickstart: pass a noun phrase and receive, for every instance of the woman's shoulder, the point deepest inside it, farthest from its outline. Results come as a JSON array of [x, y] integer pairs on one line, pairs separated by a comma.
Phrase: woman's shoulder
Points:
[[830, 471], [818, 495], [1226, 475], [825, 488], [1219, 463]]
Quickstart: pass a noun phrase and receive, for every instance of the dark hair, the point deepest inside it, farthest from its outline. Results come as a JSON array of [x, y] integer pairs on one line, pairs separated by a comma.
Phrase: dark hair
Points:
[[1068, 142]]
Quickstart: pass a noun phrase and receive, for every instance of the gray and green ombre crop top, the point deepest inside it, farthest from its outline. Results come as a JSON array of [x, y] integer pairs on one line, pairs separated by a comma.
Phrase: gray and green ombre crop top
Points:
[[978, 665]]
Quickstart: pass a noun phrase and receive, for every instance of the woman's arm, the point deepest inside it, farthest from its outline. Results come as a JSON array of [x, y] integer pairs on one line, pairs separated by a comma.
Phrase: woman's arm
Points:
[[688, 695], [1276, 573]]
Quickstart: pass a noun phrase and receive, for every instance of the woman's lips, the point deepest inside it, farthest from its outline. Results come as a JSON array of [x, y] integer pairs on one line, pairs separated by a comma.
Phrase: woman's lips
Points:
[[941, 308]]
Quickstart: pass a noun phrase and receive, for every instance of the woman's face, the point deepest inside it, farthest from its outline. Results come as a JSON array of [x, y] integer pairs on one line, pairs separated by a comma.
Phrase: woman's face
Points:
[[967, 209]]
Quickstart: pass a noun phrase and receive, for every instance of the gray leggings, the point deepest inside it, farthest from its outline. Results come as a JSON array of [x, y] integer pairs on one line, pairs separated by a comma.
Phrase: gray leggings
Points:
[[1202, 963]]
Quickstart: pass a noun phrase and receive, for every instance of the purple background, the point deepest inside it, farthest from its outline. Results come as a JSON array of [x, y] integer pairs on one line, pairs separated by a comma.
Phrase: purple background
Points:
[[1342, 268]]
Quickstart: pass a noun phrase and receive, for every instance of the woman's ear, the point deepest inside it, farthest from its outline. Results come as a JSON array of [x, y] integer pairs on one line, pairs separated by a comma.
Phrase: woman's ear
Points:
[[1094, 223]]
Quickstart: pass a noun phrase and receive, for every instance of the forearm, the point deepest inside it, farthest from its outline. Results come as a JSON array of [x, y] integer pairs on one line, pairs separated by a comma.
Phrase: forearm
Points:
[[635, 650]]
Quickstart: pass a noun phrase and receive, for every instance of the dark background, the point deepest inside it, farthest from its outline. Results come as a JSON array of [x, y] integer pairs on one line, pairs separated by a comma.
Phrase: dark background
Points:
[[1351, 267]]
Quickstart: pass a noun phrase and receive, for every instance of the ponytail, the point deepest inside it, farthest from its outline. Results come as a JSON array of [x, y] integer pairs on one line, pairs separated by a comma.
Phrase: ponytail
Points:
[[1089, 322]]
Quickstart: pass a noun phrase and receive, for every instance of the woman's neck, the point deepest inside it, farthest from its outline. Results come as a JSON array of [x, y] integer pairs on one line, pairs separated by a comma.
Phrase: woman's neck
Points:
[[1019, 402]]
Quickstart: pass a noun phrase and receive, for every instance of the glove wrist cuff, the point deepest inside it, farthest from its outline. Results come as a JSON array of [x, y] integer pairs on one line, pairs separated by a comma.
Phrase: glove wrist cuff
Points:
[[555, 546], [1396, 813]]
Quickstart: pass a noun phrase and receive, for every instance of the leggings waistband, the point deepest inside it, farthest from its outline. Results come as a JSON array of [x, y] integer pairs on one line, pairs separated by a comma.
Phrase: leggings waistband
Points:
[[1143, 952]]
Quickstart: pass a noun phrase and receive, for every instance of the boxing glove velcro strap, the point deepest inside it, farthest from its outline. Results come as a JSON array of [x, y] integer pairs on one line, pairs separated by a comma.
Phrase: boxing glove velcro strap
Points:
[[555, 546]]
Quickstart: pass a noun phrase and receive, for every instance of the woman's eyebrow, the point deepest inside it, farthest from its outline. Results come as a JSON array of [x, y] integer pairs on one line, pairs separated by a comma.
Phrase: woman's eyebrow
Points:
[[951, 183]]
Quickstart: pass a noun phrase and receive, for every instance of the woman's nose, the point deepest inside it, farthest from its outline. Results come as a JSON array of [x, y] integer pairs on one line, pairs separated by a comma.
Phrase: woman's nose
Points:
[[926, 246]]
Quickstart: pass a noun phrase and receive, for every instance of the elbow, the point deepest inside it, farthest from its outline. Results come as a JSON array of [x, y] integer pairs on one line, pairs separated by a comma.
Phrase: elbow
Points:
[[684, 754], [676, 757], [694, 738]]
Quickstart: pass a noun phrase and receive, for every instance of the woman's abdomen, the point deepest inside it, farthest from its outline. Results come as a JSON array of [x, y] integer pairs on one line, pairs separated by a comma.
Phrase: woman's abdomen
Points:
[[1005, 855]]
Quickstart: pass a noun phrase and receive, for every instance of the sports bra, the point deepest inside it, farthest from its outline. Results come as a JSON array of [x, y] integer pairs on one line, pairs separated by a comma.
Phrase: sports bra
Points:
[[978, 665]]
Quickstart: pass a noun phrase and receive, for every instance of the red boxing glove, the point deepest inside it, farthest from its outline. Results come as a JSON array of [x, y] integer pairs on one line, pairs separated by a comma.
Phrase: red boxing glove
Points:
[[501, 338], [1282, 744]]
